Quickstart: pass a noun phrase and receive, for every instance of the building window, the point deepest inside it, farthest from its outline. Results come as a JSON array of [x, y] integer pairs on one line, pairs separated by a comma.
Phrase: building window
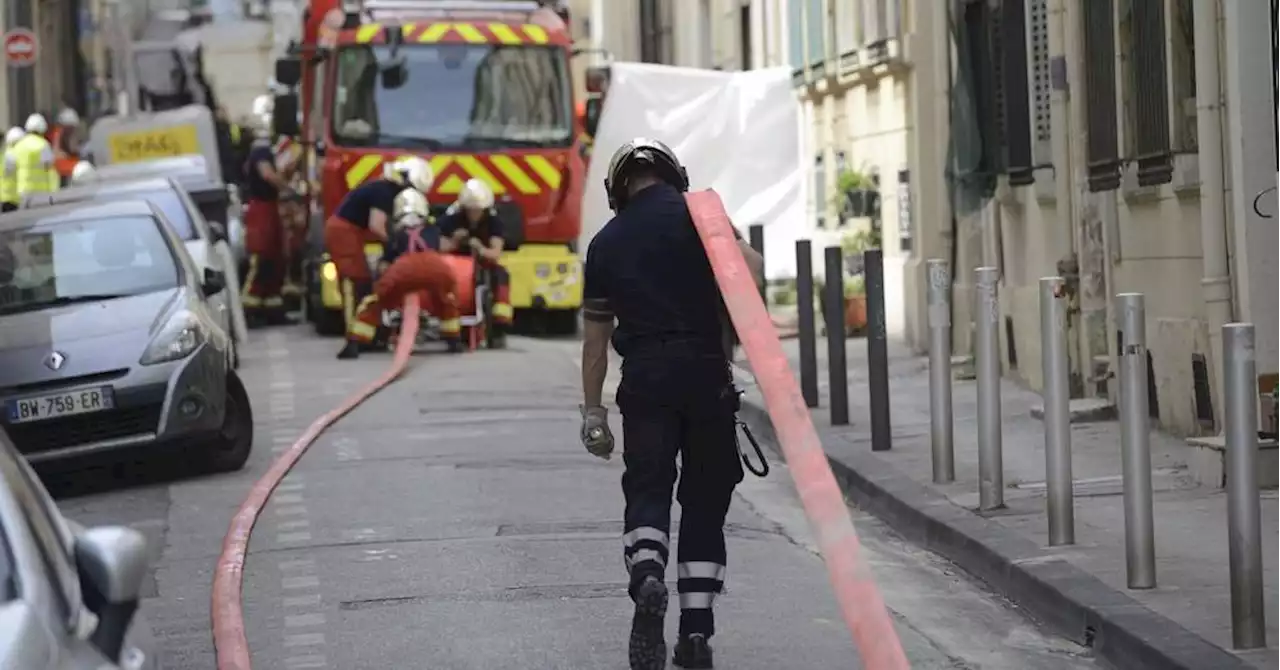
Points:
[[655, 32], [1143, 48], [814, 20], [1182, 65], [820, 190], [744, 36], [848, 26], [1041, 83], [795, 35], [707, 29]]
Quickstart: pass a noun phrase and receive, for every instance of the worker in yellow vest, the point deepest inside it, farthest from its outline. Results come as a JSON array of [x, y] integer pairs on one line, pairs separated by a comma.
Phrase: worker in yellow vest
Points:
[[34, 158], [9, 171]]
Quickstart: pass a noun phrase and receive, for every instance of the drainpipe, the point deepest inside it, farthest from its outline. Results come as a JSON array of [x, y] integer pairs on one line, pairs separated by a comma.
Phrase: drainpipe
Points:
[[1215, 284]]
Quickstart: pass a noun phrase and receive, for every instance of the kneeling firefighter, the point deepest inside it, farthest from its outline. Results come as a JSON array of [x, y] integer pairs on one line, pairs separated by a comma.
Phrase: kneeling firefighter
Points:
[[412, 263], [676, 395], [266, 181], [471, 226], [363, 216]]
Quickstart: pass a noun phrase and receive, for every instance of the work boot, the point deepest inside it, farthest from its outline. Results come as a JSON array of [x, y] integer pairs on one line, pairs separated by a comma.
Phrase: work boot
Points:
[[692, 651], [350, 351], [455, 346], [648, 649], [498, 340]]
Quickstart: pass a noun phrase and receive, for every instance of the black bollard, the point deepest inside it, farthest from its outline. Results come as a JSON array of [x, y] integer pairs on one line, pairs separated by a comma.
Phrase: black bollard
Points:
[[755, 234], [804, 307], [834, 317], [877, 350]]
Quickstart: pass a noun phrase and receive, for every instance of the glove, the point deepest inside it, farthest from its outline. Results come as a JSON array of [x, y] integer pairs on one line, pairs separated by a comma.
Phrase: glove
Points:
[[477, 244], [596, 436]]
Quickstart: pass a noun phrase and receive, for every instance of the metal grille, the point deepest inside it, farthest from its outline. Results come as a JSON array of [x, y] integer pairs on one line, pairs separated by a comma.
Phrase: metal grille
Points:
[[73, 431], [1012, 39], [1100, 95], [1151, 95], [1038, 26]]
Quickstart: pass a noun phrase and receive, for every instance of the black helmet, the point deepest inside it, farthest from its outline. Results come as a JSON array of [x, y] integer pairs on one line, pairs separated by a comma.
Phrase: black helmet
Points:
[[649, 154]]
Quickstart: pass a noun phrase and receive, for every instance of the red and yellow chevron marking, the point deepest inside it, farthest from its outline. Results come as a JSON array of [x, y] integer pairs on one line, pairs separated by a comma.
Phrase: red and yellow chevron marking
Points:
[[529, 174], [464, 33]]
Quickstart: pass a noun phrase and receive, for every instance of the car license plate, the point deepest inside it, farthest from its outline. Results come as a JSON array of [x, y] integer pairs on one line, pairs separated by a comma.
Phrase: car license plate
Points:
[[69, 403]]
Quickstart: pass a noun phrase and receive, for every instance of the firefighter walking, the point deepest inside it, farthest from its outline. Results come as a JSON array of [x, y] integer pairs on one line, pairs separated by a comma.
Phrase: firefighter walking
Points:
[[412, 263], [364, 216], [265, 183], [9, 197], [31, 159], [471, 226], [647, 269]]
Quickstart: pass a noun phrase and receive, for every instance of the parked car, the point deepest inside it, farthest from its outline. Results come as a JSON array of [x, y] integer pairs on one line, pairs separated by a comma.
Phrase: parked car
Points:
[[69, 596], [207, 245], [109, 342]]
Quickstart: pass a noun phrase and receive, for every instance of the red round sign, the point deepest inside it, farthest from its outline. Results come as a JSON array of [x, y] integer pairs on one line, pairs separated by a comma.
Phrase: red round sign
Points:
[[20, 47]]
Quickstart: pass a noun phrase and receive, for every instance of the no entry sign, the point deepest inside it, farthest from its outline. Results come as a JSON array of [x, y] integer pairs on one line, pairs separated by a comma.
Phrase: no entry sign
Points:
[[20, 47]]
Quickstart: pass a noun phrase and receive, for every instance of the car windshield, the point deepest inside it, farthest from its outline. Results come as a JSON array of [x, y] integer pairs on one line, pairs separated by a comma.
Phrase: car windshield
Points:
[[455, 96], [166, 200], [212, 205], [49, 264]]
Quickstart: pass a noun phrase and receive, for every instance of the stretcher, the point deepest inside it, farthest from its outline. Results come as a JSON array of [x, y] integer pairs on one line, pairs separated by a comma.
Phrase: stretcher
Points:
[[475, 304]]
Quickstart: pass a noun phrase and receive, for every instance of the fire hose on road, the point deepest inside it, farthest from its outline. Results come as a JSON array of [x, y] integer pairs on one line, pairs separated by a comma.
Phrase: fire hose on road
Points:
[[229, 641]]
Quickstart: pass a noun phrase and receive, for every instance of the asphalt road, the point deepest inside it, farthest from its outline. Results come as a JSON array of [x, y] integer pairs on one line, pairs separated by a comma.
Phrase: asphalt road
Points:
[[454, 522]]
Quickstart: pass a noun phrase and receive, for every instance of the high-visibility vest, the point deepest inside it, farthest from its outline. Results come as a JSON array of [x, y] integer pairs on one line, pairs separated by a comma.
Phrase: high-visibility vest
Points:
[[8, 177], [34, 158]]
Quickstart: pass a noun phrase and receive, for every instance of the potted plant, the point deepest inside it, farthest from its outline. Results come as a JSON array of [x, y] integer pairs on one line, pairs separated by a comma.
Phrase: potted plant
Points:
[[857, 194], [855, 305]]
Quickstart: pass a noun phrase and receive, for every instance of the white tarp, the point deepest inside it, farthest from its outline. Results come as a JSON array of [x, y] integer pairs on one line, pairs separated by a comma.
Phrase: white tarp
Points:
[[736, 132]]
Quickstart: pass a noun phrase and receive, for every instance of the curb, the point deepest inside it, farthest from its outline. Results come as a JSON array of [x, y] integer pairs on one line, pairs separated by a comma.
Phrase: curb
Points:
[[1071, 602]]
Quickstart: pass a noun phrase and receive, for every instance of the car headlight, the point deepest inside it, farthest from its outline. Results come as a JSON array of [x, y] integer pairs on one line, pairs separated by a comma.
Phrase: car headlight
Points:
[[329, 271], [179, 337]]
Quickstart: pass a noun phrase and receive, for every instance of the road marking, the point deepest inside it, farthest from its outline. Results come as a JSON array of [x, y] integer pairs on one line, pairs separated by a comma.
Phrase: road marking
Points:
[[287, 498], [282, 384], [303, 582], [293, 537], [291, 510], [312, 661], [311, 600], [348, 449], [292, 482], [303, 639], [295, 524], [299, 565], [303, 620]]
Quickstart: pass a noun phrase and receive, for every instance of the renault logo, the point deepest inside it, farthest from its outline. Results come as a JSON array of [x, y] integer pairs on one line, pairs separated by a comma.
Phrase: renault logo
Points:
[[55, 360]]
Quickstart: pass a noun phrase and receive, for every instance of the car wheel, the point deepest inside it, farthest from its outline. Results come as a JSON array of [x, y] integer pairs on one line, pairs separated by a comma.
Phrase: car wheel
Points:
[[329, 322], [562, 321], [230, 449]]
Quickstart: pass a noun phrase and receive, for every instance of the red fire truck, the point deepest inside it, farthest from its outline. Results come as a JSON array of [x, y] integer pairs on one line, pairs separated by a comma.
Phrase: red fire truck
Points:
[[479, 88]]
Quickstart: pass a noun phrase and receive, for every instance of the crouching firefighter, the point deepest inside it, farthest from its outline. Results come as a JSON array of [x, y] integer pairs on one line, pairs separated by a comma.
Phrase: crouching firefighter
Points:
[[676, 395], [265, 183], [364, 216], [412, 263], [471, 226]]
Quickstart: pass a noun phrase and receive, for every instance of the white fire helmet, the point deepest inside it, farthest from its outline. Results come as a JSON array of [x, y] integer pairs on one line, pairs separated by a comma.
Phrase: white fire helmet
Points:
[[411, 209], [15, 133], [411, 171], [476, 194], [68, 117], [263, 105], [37, 124], [83, 172]]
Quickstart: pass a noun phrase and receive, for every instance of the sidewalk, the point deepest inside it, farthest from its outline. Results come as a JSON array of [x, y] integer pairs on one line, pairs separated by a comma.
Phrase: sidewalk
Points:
[[1080, 590]]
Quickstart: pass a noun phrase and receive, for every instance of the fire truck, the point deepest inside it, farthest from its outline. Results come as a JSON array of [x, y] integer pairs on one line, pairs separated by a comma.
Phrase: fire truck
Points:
[[481, 89]]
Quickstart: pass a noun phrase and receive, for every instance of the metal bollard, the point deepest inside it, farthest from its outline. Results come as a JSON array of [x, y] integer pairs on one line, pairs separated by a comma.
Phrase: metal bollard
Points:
[[837, 376], [1057, 412], [804, 307], [1135, 442], [1244, 517], [986, 360], [877, 351], [941, 420], [755, 234]]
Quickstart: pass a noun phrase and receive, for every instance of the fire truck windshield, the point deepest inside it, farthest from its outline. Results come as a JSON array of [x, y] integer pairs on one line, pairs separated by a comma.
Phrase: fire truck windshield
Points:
[[454, 96]]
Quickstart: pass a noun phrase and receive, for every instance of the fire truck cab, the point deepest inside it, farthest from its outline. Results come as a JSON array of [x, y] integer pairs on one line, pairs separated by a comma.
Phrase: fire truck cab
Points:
[[479, 88]]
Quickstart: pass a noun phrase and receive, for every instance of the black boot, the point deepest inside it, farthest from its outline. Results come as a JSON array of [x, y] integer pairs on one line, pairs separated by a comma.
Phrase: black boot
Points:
[[498, 338], [647, 649], [350, 351], [455, 346], [692, 651]]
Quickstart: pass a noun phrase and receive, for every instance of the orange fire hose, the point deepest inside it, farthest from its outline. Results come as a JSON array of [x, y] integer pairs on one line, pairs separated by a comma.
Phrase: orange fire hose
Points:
[[229, 641], [860, 601]]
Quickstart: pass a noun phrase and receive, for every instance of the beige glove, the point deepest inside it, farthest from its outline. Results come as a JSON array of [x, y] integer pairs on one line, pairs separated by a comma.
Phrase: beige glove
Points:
[[595, 435]]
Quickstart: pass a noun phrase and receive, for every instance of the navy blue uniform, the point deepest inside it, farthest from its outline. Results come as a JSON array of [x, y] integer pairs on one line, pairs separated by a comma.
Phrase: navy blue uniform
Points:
[[455, 219], [648, 269], [379, 194], [489, 227], [405, 240]]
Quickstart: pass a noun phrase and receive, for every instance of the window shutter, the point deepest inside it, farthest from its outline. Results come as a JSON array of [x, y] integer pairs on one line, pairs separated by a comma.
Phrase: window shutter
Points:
[[1041, 82], [1100, 95], [1151, 94], [1017, 98]]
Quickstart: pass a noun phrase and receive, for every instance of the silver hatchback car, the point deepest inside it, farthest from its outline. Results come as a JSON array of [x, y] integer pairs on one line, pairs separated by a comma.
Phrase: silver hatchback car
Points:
[[109, 342], [68, 596]]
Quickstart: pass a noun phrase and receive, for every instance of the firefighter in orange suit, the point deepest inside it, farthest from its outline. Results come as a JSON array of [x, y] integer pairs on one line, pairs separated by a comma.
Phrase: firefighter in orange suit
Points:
[[265, 183], [364, 216], [412, 264], [471, 226]]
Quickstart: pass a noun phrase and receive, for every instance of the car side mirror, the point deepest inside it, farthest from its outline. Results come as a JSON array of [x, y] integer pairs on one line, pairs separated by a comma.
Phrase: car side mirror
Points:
[[214, 282], [112, 562], [591, 115], [218, 231], [284, 115], [289, 71]]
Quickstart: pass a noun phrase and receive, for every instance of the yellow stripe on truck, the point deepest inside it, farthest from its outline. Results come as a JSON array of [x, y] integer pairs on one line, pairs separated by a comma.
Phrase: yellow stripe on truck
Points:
[[536, 34], [434, 32], [545, 169], [509, 169], [452, 170], [505, 34], [367, 33], [363, 167], [470, 33]]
